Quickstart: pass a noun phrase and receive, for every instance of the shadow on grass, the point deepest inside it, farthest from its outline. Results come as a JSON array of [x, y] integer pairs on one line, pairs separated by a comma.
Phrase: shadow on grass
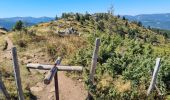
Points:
[[30, 96]]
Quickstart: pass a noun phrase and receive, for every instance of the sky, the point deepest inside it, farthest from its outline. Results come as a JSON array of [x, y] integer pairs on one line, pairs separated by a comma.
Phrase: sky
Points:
[[51, 8]]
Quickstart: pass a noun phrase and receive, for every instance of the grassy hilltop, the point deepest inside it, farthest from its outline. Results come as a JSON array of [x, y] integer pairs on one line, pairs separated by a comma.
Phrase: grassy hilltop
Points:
[[126, 57]]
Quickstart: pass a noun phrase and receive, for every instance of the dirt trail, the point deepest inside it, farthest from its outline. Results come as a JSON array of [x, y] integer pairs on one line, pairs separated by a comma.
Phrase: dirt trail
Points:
[[68, 89], [10, 44], [7, 53]]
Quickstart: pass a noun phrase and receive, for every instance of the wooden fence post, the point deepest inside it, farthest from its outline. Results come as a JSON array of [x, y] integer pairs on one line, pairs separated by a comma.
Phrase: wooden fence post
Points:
[[94, 59], [56, 79], [56, 86], [51, 74], [17, 73], [94, 64], [154, 76], [3, 88]]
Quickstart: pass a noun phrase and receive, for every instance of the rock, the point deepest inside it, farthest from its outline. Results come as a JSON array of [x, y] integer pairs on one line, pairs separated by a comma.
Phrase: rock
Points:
[[50, 97], [80, 80], [36, 89], [52, 89], [39, 87], [28, 61], [68, 31]]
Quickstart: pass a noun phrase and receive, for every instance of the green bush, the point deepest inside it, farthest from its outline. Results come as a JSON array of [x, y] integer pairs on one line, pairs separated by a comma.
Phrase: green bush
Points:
[[134, 65]]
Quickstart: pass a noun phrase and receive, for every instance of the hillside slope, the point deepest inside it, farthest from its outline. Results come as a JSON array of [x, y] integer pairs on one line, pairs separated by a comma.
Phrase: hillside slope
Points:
[[126, 57]]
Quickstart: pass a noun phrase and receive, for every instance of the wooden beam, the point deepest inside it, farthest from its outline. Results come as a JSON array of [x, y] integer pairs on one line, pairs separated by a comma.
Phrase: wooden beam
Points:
[[60, 67], [154, 76], [93, 65], [3, 88], [17, 73], [52, 72]]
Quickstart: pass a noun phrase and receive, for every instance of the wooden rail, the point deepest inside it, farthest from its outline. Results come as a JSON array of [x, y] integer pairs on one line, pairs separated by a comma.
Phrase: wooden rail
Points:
[[17, 73], [59, 67]]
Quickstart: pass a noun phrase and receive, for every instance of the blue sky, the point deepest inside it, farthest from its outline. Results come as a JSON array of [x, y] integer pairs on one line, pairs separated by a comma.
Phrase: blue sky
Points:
[[38, 8]]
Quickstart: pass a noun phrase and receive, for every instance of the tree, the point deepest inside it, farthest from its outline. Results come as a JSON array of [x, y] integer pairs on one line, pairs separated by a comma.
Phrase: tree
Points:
[[158, 31], [165, 35], [18, 26], [56, 17], [126, 24], [77, 17], [140, 24], [82, 18], [87, 16], [118, 16], [149, 27], [64, 15], [124, 18], [111, 10], [100, 26]]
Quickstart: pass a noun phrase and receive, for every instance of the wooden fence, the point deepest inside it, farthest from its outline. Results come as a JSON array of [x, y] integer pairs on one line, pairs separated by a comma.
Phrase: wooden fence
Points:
[[53, 70]]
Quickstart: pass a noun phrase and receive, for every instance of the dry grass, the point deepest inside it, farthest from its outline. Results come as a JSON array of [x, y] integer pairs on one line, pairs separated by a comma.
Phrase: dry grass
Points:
[[106, 80], [122, 85]]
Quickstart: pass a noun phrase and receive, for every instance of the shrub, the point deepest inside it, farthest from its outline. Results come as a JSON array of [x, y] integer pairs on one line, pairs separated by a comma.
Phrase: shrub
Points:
[[100, 26], [18, 26], [134, 66], [77, 17]]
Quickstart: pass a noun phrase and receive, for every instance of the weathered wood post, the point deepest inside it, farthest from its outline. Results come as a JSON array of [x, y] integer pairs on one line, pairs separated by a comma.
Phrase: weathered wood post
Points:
[[56, 86], [94, 63], [154, 76], [53, 73], [56, 80], [3, 88], [94, 59], [17, 73]]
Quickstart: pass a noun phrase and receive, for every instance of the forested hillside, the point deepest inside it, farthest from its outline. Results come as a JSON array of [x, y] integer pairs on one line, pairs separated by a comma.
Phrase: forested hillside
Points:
[[126, 57]]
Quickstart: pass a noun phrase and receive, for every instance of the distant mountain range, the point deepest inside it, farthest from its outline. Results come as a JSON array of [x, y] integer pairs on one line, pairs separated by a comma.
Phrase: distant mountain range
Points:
[[8, 23], [161, 21]]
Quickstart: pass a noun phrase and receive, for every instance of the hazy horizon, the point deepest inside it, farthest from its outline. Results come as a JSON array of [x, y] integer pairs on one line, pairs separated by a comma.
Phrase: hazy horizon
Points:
[[76, 12]]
